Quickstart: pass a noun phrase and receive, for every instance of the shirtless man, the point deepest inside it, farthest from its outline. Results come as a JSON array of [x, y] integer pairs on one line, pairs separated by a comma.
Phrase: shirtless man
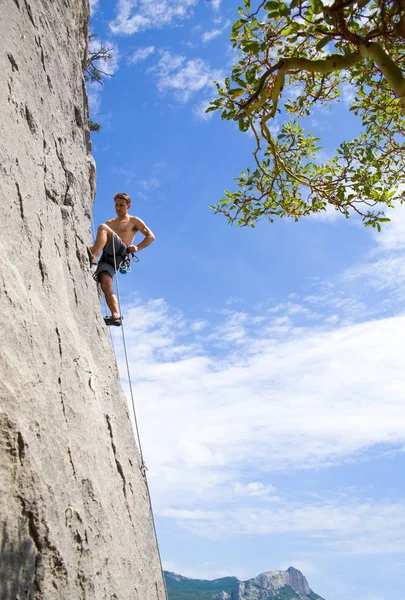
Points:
[[116, 237]]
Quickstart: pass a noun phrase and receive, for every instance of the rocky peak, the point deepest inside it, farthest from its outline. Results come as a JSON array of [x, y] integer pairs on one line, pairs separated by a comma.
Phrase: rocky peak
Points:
[[266, 584], [297, 581]]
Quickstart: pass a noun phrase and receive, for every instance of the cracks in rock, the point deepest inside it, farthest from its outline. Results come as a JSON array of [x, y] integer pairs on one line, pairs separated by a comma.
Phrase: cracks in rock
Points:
[[20, 200], [117, 462], [17, 4], [59, 342], [30, 120], [71, 462], [73, 281], [78, 115], [41, 264], [51, 195], [29, 11], [21, 447], [14, 65], [7, 295], [44, 274], [45, 549], [60, 377], [67, 199], [63, 404], [79, 255], [120, 470], [38, 42]]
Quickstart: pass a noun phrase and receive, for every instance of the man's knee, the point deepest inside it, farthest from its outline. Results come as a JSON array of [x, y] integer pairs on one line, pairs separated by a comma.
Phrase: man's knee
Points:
[[105, 282], [104, 227]]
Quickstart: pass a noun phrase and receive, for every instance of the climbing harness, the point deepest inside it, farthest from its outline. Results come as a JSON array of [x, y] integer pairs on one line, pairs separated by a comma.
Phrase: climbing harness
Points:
[[143, 468]]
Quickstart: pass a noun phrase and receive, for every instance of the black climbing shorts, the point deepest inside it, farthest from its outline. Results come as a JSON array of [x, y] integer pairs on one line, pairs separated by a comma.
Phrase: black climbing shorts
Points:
[[107, 258]]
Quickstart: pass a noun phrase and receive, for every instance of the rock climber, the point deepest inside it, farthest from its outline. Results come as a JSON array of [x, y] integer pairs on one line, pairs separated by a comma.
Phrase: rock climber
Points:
[[115, 238]]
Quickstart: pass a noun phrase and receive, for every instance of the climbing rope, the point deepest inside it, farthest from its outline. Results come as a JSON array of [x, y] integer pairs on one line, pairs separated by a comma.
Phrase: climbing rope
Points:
[[143, 467]]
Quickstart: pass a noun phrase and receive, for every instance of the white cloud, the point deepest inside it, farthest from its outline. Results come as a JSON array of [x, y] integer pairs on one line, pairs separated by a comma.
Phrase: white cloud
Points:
[[343, 524], [216, 4], [384, 268], [94, 96], [385, 273], [200, 110], [210, 35], [141, 54], [255, 489], [348, 93], [207, 36], [205, 570], [93, 6], [148, 184], [392, 234], [259, 394], [139, 15], [183, 77], [329, 214]]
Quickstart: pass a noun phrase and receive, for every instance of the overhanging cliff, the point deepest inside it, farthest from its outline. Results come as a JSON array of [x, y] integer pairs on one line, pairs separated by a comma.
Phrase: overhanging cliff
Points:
[[74, 511]]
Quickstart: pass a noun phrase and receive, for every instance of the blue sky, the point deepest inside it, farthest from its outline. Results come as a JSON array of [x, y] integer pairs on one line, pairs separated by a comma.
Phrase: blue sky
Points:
[[267, 363]]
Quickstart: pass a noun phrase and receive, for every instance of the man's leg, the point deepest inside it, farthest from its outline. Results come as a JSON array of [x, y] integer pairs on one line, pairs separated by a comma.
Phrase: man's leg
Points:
[[106, 283], [104, 234]]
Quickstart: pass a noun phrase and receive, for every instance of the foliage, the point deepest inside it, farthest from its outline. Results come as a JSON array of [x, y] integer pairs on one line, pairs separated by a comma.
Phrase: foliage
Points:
[[295, 55], [98, 54], [93, 126], [199, 589], [313, 596], [286, 593]]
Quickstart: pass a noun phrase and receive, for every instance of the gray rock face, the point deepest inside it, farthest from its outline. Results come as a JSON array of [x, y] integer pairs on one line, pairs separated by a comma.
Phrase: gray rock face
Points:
[[269, 583], [75, 518]]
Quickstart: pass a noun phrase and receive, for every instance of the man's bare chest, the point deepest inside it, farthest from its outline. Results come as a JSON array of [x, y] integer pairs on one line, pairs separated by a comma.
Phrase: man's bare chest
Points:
[[122, 227]]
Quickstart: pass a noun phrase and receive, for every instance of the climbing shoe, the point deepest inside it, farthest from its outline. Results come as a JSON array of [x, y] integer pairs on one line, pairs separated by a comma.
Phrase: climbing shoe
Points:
[[117, 321]]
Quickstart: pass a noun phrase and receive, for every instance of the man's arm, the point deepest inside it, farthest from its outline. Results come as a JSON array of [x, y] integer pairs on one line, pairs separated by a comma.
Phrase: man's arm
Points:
[[144, 229]]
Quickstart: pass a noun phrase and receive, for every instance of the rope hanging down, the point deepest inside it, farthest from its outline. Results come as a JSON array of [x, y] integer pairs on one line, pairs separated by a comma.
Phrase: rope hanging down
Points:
[[143, 467]]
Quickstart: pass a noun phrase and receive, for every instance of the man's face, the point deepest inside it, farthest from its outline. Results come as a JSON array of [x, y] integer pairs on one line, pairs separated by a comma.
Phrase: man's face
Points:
[[121, 207]]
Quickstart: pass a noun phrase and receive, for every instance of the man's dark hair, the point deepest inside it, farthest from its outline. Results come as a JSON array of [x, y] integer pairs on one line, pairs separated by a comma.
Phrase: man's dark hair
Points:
[[124, 196]]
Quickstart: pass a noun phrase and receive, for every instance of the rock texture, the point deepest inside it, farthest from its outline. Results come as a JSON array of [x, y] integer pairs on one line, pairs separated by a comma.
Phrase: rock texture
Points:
[[75, 518]]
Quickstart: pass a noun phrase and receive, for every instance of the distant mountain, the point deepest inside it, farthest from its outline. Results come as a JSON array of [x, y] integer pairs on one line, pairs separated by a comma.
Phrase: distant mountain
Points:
[[271, 585]]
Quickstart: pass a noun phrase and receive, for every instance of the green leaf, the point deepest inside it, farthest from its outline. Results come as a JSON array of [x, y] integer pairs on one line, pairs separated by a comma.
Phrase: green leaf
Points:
[[272, 5], [251, 46], [236, 92], [322, 43]]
